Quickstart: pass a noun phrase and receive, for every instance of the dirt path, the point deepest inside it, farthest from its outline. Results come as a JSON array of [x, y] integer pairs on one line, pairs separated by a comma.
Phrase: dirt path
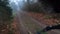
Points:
[[26, 24], [14, 25]]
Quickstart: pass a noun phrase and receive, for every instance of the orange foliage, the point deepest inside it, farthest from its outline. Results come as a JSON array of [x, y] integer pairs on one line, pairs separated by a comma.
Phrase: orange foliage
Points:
[[40, 17]]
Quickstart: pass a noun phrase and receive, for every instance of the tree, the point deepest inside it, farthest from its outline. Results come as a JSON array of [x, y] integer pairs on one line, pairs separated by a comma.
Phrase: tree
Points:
[[54, 3], [5, 14], [5, 5]]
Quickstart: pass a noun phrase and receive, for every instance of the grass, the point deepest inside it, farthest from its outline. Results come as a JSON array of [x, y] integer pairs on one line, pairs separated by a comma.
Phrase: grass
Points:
[[10, 27]]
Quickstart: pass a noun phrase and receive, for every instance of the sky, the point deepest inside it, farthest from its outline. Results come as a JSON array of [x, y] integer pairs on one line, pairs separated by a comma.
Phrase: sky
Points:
[[18, 3]]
